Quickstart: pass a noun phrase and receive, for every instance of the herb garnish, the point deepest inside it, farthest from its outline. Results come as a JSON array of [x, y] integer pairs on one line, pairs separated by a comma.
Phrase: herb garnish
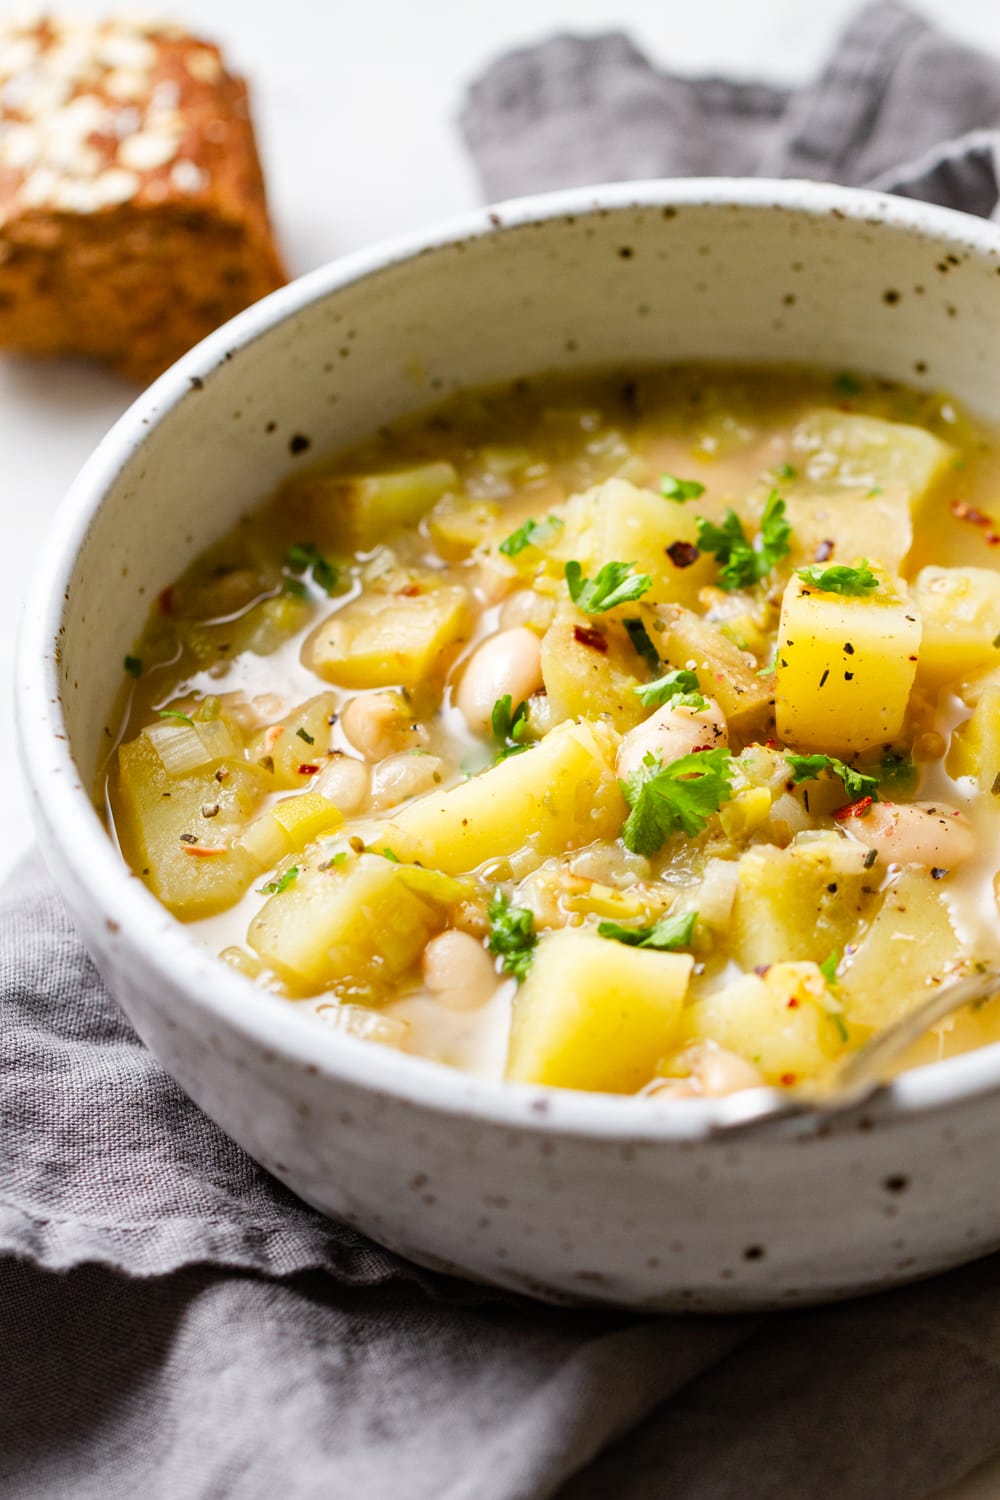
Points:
[[275, 887], [679, 797], [896, 769], [787, 471], [304, 735], [303, 556], [512, 934], [531, 534], [742, 563], [680, 688], [856, 783], [173, 713], [847, 384], [672, 488], [616, 583], [639, 636], [510, 726], [389, 854], [828, 968], [133, 665], [840, 579], [667, 934]]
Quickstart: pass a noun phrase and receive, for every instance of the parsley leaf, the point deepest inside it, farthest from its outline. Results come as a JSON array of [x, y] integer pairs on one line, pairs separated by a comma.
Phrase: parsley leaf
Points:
[[856, 783], [639, 636], [680, 797], [668, 933], [275, 887], [742, 563], [303, 556], [531, 534], [672, 488], [787, 471], [896, 769], [512, 934], [172, 713], [679, 688], [828, 968], [304, 734], [133, 665], [840, 579], [616, 583], [510, 726]]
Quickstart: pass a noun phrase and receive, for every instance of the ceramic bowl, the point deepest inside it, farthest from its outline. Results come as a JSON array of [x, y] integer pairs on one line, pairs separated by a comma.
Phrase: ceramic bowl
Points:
[[562, 1195]]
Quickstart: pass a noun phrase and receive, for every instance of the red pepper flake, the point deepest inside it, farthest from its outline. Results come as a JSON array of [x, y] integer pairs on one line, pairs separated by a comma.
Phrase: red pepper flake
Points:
[[165, 602], [991, 539], [587, 636], [203, 851], [787, 1079], [963, 512], [409, 590], [308, 769], [793, 1003], [853, 809], [683, 554], [824, 551]]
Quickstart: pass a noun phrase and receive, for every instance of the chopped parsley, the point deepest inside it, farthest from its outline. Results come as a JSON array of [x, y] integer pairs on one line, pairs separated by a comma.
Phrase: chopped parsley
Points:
[[616, 583], [743, 563], [510, 726], [303, 557], [839, 579], [856, 783], [133, 665], [828, 968], [668, 933], [672, 488], [896, 769], [841, 1025], [275, 887], [173, 713], [305, 735], [679, 797], [787, 471], [389, 854], [847, 384], [512, 934], [639, 636], [531, 534], [680, 688]]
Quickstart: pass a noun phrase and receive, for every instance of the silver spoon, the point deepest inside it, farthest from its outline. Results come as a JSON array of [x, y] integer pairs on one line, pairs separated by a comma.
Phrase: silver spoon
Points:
[[867, 1070]]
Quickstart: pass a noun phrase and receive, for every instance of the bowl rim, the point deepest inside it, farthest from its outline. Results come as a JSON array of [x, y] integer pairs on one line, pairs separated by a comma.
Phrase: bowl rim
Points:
[[93, 868]]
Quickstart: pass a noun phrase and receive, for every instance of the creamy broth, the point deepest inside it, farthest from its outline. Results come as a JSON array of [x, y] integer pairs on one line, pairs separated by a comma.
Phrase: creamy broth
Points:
[[393, 749]]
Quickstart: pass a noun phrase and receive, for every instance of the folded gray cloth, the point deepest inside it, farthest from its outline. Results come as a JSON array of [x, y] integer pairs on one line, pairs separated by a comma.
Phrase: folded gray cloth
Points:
[[173, 1323]]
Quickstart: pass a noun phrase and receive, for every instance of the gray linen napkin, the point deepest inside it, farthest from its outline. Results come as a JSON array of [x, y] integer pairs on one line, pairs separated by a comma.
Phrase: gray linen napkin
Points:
[[174, 1323]]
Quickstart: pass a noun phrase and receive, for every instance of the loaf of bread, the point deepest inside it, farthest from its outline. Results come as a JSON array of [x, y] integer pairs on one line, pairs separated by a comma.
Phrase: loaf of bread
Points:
[[133, 218]]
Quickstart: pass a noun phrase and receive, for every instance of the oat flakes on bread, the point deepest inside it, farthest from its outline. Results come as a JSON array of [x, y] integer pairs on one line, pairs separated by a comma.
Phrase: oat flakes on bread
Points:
[[133, 217]]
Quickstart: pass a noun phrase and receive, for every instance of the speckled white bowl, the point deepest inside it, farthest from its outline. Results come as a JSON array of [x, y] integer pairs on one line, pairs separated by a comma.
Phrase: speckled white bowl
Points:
[[560, 1195]]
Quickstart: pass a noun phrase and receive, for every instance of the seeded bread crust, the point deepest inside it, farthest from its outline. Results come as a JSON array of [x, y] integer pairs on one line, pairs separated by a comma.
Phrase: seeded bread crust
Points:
[[133, 217]]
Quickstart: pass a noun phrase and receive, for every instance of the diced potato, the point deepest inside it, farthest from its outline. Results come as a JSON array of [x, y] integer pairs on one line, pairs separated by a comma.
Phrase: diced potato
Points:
[[457, 525], [911, 945], [297, 744], [287, 826], [360, 511], [589, 669], [799, 903], [359, 924], [594, 1014], [845, 666], [975, 745], [729, 675], [876, 526], [381, 640], [777, 1021], [262, 629], [960, 610], [860, 452], [178, 831], [560, 795], [618, 521]]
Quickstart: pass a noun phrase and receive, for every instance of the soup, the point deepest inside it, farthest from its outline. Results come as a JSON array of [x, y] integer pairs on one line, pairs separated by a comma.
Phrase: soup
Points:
[[635, 734]]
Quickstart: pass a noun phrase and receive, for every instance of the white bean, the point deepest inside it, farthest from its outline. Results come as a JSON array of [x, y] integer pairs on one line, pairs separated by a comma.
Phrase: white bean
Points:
[[915, 833], [458, 971], [344, 782], [714, 1072], [381, 724], [405, 775], [509, 662], [672, 732]]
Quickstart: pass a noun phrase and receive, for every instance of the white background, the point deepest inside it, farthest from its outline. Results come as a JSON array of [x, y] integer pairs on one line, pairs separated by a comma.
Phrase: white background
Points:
[[355, 106]]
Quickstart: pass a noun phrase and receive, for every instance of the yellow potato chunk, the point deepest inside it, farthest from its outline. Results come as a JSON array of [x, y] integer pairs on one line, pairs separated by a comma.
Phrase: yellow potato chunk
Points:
[[177, 831], [729, 675], [910, 946], [557, 796], [618, 521], [383, 640], [360, 923], [360, 511], [799, 903], [960, 610], [778, 1021], [975, 745], [875, 526], [845, 666], [594, 1014], [847, 449], [589, 668], [297, 744]]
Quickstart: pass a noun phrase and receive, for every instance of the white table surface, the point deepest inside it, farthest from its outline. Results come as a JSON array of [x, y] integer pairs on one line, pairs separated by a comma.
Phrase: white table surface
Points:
[[355, 107]]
